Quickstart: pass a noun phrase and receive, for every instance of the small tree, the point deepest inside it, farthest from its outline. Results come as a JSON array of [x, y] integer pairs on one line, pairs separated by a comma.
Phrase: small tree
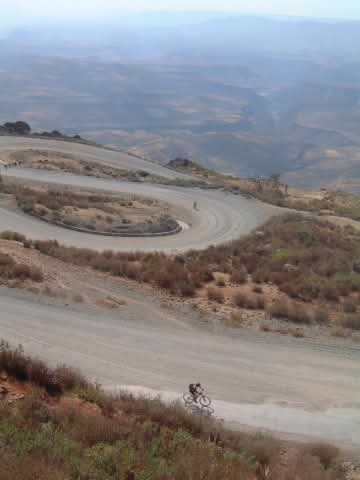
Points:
[[19, 127]]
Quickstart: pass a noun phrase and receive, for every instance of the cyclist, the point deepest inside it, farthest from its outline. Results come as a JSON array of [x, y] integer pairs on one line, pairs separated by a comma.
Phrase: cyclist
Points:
[[195, 390]]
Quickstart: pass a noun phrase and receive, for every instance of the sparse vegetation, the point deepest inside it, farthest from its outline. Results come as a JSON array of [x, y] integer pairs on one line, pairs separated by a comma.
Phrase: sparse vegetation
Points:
[[130, 438], [26, 369], [12, 270], [115, 214], [325, 452], [273, 191], [283, 309], [310, 263], [59, 161], [249, 300], [239, 276], [351, 321], [215, 294], [350, 306]]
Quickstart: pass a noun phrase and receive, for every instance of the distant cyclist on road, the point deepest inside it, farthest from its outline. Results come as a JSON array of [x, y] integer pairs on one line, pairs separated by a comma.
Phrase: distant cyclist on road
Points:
[[195, 390], [195, 206]]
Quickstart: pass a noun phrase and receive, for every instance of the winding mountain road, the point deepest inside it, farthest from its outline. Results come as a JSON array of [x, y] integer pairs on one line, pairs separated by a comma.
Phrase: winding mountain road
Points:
[[220, 217], [286, 385]]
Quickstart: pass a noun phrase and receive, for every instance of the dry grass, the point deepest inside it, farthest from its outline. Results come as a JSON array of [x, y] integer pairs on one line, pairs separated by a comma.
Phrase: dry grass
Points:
[[10, 270], [215, 294], [249, 300], [351, 321], [294, 332], [350, 306], [25, 369], [325, 452], [320, 315], [296, 313], [340, 332], [220, 281], [236, 319], [239, 276]]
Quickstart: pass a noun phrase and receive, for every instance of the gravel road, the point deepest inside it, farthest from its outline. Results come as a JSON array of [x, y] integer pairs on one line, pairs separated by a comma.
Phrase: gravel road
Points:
[[220, 217], [87, 152], [259, 380]]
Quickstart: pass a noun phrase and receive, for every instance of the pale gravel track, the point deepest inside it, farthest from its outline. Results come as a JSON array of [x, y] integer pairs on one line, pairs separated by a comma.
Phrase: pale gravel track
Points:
[[286, 385], [93, 154], [221, 217]]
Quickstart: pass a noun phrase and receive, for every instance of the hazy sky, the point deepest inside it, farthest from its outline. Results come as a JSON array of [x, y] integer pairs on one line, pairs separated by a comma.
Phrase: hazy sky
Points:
[[20, 11]]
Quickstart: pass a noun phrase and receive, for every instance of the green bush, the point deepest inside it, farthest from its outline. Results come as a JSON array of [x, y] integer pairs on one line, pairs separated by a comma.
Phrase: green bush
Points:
[[10, 235]]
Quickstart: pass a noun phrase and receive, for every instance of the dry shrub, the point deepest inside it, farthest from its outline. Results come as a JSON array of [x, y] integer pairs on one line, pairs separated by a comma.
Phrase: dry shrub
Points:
[[290, 311], [326, 453], [170, 415], [239, 276], [12, 236], [249, 300], [350, 306], [236, 319], [32, 466], [25, 369], [220, 281], [340, 332], [36, 274], [330, 292], [33, 409], [78, 298], [292, 289], [215, 295], [70, 378], [352, 321], [96, 428], [320, 315], [265, 451], [282, 330], [21, 271], [298, 333], [264, 327], [307, 467], [10, 269]]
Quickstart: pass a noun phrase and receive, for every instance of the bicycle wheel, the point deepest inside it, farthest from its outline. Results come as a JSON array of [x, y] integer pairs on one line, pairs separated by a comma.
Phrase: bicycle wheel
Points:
[[204, 401], [188, 398]]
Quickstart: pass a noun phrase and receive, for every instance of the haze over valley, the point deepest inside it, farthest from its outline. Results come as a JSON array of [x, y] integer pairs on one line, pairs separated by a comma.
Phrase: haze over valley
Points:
[[245, 95]]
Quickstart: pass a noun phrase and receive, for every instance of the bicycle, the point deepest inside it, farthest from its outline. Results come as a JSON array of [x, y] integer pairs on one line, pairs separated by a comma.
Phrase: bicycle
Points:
[[201, 399]]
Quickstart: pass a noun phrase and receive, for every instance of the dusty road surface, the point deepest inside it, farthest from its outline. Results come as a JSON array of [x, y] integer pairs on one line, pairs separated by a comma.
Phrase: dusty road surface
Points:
[[283, 384], [86, 152], [220, 216]]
